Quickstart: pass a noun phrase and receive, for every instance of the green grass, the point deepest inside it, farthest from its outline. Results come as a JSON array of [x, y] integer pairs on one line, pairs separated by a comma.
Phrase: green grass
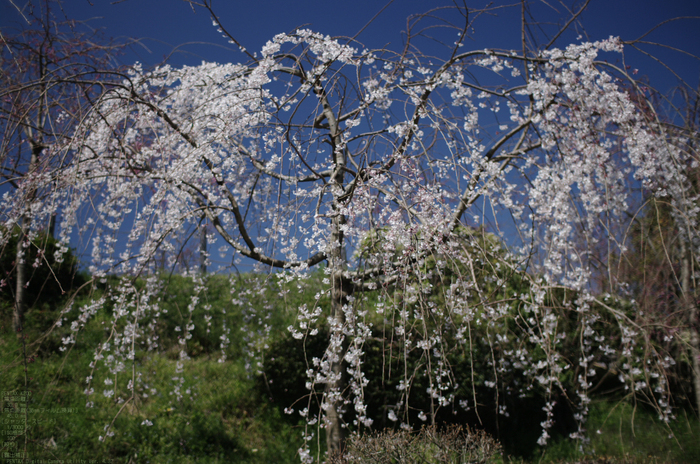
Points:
[[220, 418], [621, 433]]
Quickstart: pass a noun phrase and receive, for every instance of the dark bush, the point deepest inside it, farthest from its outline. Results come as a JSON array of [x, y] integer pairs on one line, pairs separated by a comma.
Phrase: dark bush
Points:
[[284, 383], [49, 282]]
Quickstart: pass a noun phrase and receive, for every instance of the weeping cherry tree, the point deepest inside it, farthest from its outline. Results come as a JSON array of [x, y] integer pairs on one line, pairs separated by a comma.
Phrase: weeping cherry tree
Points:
[[379, 167]]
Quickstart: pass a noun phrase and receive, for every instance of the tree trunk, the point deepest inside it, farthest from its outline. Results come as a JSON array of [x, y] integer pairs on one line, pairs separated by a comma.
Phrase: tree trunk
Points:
[[695, 352], [21, 277], [340, 290], [341, 287], [21, 254], [335, 431]]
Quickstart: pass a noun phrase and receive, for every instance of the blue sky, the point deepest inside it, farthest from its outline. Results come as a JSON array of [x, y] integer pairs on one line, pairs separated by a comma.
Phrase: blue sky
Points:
[[171, 27]]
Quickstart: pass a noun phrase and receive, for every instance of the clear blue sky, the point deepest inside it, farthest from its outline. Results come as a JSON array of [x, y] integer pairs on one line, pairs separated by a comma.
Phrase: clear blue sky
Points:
[[172, 28], [167, 26]]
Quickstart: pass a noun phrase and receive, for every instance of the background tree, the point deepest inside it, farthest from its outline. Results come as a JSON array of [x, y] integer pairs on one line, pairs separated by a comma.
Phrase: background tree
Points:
[[661, 262], [47, 284], [52, 69], [318, 145]]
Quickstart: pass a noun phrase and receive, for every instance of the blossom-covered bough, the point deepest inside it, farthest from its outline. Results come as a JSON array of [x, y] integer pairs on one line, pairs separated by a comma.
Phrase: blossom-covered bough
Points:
[[382, 167]]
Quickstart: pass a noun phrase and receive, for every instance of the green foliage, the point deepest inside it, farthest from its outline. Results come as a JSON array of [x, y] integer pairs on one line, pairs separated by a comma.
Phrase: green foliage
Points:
[[175, 299]]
